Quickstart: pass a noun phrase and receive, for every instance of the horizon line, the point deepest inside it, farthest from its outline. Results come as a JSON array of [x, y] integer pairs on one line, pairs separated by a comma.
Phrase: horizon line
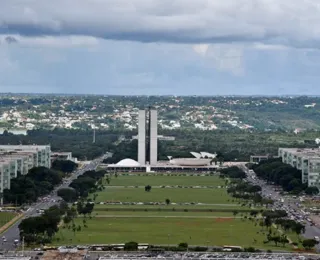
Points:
[[155, 95]]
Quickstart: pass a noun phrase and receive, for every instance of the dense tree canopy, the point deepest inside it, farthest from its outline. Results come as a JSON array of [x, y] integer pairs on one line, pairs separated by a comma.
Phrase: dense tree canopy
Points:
[[27, 188], [67, 194], [279, 173], [87, 183], [233, 172], [64, 166], [41, 229]]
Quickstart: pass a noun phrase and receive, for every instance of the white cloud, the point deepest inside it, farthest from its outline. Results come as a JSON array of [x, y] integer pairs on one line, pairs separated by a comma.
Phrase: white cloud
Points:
[[268, 47], [224, 57], [201, 49], [287, 22]]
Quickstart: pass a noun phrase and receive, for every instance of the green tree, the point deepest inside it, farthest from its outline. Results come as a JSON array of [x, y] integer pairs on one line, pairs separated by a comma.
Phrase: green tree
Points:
[[235, 213], [131, 246], [67, 194], [309, 243], [312, 190], [147, 188]]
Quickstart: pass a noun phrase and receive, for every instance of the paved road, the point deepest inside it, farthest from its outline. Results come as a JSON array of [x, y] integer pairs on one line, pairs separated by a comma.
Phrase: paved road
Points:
[[94, 255], [288, 204], [13, 232]]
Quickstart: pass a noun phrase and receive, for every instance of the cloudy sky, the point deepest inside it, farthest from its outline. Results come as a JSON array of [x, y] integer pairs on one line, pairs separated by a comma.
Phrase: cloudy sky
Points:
[[178, 47]]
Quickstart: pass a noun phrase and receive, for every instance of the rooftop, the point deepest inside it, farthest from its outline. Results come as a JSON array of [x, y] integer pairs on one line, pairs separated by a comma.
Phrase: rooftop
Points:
[[305, 152]]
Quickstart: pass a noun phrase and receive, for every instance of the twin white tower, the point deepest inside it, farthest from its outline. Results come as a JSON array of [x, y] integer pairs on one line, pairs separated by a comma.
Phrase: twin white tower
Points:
[[148, 137]]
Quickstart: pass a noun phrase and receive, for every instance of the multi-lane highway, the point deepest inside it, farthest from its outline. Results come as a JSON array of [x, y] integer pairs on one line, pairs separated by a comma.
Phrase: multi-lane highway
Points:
[[290, 204], [12, 233]]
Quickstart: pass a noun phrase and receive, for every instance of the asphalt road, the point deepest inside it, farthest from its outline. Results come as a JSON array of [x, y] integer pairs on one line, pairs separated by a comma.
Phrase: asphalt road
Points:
[[13, 232], [288, 204]]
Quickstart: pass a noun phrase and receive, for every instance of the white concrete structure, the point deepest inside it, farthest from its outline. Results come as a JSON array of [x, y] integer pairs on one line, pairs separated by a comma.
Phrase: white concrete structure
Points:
[[8, 170], [63, 156], [196, 155], [20, 159], [306, 160], [153, 129], [43, 152], [128, 163], [190, 161], [148, 136], [142, 137], [201, 159], [208, 155]]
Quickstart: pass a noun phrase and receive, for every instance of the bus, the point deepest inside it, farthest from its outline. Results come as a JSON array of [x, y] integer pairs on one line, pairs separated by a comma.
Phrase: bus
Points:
[[232, 248]]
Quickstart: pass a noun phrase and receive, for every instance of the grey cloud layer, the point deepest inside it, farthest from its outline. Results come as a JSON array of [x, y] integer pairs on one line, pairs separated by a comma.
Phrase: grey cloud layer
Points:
[[284, 22]]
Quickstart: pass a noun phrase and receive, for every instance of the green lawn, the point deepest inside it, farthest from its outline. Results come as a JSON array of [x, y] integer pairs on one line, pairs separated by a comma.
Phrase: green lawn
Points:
[[159, 180], [166, 231], [212, 196], [163, 213], [5, 217], [215, 206]]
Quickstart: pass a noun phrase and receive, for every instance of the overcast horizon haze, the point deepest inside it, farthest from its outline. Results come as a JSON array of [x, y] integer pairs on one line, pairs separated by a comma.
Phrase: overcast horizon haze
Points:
[[160, 47]]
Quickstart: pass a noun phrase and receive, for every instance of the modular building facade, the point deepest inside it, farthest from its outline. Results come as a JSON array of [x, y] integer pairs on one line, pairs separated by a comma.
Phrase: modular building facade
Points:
[[42, 153], [306, 160], [19, 159]]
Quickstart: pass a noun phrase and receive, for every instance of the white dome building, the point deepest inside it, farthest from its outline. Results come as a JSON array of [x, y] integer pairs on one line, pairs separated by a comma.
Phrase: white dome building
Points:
[[128, 163]]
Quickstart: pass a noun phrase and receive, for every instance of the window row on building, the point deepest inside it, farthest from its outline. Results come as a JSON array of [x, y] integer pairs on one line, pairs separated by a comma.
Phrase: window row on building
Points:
[[19, 159], [306, 160]]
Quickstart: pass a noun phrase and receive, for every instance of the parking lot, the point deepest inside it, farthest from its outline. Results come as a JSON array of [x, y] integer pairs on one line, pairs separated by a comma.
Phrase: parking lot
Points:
[[190, 255]]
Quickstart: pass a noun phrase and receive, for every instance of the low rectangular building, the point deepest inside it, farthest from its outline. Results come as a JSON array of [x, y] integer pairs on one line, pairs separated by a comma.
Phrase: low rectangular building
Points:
[[63, 156], [259, 158]]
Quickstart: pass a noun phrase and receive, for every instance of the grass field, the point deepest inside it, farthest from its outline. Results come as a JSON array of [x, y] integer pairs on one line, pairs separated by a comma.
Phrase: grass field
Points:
[[210, 196], [163, 214], [171, 206], [5, 217], [194, 231], [151, 224], [159, 180]]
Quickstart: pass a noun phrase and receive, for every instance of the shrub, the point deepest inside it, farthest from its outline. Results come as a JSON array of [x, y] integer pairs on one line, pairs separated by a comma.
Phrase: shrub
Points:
[[250, 249], [183, 245], [131, 246], [200, 249]]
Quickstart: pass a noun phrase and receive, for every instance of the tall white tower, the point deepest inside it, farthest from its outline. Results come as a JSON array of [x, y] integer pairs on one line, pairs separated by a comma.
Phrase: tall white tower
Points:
[[142, 137], [153, 138]]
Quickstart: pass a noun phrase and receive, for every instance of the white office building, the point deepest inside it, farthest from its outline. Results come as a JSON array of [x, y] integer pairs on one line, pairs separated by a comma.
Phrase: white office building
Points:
[[142, 137], [148, 137], [306, 160], [42, 153], [19, 159], [153, 143]]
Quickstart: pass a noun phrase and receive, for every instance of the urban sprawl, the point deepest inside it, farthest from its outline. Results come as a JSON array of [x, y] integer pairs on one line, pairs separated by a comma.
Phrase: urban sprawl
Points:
[[107, 177]]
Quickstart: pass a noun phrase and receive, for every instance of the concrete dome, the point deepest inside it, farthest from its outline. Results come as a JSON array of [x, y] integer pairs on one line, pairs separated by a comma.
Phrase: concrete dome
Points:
[[128, 163]]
